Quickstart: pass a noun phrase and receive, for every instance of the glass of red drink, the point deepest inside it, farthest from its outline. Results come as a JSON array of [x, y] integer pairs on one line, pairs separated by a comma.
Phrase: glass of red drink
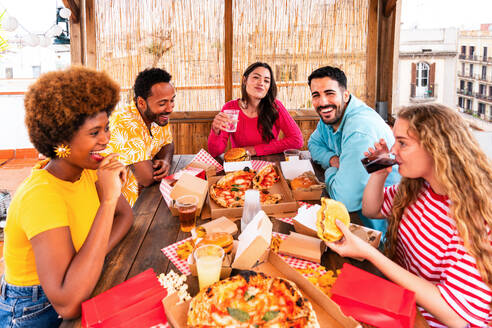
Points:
[[376, 163]]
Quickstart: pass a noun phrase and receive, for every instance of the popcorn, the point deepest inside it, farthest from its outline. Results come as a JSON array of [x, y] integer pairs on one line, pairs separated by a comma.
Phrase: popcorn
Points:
[[175, 283]]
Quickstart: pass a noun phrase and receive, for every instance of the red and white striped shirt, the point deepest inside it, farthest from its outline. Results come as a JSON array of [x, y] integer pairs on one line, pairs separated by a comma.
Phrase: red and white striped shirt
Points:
[[429, 246]]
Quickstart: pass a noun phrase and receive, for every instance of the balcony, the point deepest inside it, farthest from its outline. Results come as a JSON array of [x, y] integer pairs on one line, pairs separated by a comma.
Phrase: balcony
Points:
[[464, 92], [462, 56], [480, 96], [429, 95]]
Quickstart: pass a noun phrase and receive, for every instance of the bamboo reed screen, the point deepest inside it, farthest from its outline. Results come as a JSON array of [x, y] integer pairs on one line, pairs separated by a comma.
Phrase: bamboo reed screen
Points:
[[186, 37]]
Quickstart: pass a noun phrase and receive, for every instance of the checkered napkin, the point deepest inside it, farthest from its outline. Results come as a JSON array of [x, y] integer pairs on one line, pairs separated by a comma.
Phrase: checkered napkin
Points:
[[258, 165], [172, 255], [190, 170], [165, 189], [206, 158]]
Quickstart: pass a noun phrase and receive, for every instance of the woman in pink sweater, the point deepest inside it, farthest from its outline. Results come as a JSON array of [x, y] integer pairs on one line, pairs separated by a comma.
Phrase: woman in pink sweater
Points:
[[261, 118]]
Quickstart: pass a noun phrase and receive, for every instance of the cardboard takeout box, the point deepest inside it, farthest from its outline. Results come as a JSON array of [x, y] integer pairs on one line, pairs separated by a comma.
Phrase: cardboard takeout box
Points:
[[286, 204], [328, 312], [293, 169], [189, 185], [303, 247]]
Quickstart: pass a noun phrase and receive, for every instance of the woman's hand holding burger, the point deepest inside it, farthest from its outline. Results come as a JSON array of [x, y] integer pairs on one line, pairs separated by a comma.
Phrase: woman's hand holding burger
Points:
[[350, 245]]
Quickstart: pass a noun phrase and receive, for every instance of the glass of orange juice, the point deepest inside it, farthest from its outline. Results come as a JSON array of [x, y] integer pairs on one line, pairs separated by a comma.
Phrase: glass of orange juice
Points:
[[208, 260]]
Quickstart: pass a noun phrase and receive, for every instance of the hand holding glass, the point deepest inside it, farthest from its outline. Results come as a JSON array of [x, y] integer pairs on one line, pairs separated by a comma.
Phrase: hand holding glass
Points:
[[233, 118], [187, 207], [208, 260], [378, 158]]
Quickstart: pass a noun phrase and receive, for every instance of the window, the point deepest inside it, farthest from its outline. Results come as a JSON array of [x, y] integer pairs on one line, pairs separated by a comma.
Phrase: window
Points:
[[485, 53], [472, 50], [422, 74], [481, 108], [463, 69], [461, 102], [468, 104], [9, 73], [463, 50], [462, 85], [36, 71], [484, 73], [469, 88], [471, 70], [490, 92], [481, 89]]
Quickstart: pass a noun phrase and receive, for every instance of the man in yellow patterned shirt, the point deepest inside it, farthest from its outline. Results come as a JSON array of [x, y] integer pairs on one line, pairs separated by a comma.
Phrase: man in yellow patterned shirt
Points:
[[140, 133]]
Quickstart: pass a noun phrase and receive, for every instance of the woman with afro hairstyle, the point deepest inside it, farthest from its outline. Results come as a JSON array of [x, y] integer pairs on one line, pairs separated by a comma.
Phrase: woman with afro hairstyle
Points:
[[69, 213], [261, 118], [439, 217]]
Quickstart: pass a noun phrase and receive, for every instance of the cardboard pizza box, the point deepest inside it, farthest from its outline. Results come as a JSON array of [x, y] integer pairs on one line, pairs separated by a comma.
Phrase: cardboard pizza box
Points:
[[287, 203], [293, 169], [328, 312], [303, 247], [189, 185], [253, 242]]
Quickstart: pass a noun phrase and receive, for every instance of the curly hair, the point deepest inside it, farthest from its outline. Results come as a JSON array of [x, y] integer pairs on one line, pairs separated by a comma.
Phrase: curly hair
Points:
[[462, 168], [59, 102], [268, 113], [333, 73], [146, 79]]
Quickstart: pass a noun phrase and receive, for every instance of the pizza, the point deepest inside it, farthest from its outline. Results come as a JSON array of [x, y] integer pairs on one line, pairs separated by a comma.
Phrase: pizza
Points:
[[266, 177], [229, 191], [251, 299], [234, 197]]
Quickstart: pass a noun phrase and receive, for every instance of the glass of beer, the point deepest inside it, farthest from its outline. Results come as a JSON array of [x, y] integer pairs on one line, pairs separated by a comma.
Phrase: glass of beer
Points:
[[292, 154], [208, 260], [187, 208]]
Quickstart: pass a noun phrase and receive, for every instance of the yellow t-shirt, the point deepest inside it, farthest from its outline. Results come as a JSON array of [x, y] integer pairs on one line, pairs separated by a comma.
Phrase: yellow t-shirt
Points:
[[43, 202], [131, 139]]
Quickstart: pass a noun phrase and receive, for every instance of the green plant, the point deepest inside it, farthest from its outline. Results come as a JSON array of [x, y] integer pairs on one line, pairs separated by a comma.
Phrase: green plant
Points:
[[3, 42]]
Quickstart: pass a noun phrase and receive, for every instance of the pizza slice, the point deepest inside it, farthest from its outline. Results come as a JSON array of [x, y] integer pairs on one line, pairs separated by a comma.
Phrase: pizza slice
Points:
[[227, 196], [266, 177], [238, 179], [267, 198]]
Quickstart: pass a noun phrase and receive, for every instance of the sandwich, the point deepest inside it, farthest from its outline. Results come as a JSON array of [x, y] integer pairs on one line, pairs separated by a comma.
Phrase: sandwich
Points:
[[330, 211], [222, 239], [304, 181], [236, 155]]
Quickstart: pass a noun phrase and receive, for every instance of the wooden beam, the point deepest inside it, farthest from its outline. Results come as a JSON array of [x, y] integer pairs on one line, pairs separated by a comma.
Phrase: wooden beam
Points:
[[389, 7], [228, 41], [74, 7], [372, 54], [90, 34]]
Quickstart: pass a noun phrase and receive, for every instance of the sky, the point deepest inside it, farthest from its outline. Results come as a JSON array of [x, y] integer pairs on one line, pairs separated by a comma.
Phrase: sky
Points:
[[38, 16]]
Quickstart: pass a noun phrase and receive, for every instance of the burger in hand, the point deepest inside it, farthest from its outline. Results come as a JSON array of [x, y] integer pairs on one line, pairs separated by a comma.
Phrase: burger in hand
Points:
[[222, 239], [236, 155], [330, 211]]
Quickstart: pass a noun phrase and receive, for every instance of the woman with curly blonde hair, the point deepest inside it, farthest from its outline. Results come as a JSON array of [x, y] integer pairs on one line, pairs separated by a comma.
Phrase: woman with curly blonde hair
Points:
[[439, 216], [69, 213]]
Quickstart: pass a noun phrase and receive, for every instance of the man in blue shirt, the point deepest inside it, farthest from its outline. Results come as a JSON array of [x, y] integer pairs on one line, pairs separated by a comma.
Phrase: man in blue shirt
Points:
[[348, 127]]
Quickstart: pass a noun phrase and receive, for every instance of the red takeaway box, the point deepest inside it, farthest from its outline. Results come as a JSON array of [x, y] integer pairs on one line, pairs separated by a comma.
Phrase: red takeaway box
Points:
[[373, 300], [138, 297]]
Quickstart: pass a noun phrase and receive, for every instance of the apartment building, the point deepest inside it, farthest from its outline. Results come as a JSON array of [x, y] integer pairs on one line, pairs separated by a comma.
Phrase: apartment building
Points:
[[474, 81], [427, 66]]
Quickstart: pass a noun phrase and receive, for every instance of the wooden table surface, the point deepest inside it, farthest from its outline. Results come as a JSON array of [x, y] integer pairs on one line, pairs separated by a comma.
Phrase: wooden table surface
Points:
[[155, 228]]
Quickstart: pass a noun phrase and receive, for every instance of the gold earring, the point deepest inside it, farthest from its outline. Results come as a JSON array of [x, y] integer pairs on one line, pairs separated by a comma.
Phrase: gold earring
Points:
[[62, 151]]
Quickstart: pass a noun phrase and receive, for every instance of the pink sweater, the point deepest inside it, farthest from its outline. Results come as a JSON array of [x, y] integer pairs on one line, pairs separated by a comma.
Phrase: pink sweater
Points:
[[247, 133]]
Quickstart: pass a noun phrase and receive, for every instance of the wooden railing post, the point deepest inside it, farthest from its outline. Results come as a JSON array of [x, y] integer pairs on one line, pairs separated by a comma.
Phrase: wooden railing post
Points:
[[228, 47]]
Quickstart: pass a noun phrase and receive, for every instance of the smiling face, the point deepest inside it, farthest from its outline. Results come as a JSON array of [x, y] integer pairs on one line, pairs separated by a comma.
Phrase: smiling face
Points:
[[329, 100], [87, 143], [158, 105], [257, 83], [413, 160]]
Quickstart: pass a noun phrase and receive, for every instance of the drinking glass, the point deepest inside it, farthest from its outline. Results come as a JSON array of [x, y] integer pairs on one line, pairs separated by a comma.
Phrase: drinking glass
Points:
[[187, 206], [234, 117], [208, 260], [292, 154], [373, 164]]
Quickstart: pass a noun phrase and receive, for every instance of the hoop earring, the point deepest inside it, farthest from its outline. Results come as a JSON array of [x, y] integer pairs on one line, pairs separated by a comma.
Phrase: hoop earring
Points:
[[62, 151]]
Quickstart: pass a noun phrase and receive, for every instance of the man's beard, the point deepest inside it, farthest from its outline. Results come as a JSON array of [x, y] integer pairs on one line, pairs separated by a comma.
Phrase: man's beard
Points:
[[152, 117], [338, 113]]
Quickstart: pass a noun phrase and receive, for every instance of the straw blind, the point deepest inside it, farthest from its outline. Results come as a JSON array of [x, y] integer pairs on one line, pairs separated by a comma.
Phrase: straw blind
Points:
[[186, 37]]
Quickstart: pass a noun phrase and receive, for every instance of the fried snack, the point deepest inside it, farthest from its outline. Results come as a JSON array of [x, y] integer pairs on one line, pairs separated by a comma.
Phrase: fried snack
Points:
[[275, 244], [320, 277], [330, 211], [184, 250], [236, 155]]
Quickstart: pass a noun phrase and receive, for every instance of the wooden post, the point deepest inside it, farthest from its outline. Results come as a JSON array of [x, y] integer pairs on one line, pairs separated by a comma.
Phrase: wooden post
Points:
[[90, 34], [388, 51], [372, 54], [76, 45], [228, 40]]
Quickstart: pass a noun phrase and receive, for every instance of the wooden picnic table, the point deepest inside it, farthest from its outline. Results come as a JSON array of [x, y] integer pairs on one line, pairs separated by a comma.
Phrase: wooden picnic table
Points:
[[155, 228]]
